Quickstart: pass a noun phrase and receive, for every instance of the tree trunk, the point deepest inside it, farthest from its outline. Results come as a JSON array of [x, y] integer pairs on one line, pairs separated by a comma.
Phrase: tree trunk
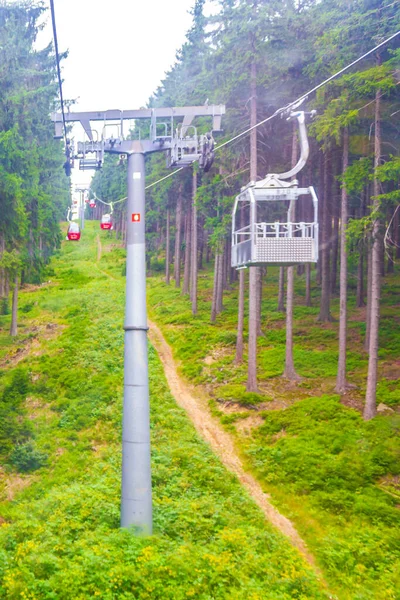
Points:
[[325, 311], [260, 274], [341, 383], [201, 243], [289, 372], [382, 255], [308, 285], [220, 287], [194, 245], [253, 279], [370, 398], [225, 266], [360, 279], [369, 294], [321, 213], [239, 338], [188, 243], [215, 289], [390, 247], [14, 314], [335, 236], [208, 252], [252, 350], [167, 257], [178, 241], [228, 269], [281, 290], [360, 266]]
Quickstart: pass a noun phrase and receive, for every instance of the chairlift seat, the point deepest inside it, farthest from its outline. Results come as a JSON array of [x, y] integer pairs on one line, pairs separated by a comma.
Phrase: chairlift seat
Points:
[[270, 234], [106, 222], [277, 242], [74, 232], [89, 164]]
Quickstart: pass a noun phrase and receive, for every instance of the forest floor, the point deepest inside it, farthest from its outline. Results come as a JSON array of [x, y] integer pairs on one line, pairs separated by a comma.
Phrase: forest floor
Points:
[[60, 456], [333, 475], [196, 406], [308, 455]]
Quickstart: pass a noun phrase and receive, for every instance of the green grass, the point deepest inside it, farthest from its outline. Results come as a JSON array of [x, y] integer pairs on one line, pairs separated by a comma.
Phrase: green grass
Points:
[[334, 475], [60, 535]]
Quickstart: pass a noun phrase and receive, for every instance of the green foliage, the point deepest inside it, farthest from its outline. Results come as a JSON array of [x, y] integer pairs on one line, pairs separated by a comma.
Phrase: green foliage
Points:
[[26, 458], [236, 393], [61, 535], [4, 306], [33, 188], [329, 457], [321, 463], [14, 427]]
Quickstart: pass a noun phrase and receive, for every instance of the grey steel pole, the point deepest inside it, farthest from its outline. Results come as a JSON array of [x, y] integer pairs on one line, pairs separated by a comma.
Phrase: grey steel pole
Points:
[[136, 505]]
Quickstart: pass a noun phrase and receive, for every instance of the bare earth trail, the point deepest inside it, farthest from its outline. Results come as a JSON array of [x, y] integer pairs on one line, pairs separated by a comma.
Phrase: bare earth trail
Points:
[[220, 441]]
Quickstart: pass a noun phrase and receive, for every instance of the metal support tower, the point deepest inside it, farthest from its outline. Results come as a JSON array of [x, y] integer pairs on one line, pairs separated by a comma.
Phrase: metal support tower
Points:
[[136, 503], [82, 191]]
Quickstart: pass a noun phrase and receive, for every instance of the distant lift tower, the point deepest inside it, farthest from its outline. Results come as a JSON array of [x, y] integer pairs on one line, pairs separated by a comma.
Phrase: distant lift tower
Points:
[[82, 190], [264, 227], [172, 131]]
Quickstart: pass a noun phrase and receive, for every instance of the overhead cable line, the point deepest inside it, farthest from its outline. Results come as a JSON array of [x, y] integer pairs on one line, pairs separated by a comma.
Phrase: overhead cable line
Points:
[[163, 178], [53, 20], [111, 204], [303, 97], [293, 104]]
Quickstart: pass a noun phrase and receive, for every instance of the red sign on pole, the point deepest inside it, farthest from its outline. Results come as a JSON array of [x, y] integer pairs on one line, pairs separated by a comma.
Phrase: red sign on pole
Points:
[[135, 217]]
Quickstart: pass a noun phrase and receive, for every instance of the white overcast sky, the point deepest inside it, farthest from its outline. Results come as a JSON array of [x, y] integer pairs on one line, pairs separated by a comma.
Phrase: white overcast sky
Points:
[[119, 51]]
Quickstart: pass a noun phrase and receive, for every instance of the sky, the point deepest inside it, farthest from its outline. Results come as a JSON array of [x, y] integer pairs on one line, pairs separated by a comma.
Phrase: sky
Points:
[[118, 52]]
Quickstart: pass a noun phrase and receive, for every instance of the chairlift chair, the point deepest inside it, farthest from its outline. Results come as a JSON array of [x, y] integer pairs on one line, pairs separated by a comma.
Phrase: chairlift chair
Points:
[[265, 230], [74, 232], [92, 148], [188, 147], [106, 222]]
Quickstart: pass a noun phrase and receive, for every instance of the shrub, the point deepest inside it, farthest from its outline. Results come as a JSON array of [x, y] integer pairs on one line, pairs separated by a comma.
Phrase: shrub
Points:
[[27, 307], [4, 306], [237, 393], [26, 458]]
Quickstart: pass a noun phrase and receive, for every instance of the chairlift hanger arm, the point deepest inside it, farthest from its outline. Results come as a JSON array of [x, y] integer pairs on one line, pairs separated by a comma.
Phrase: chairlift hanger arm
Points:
[[304, 146]]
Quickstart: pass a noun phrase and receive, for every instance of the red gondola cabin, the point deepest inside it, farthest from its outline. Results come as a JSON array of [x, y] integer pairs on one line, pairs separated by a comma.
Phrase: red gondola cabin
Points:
[[106, 222], [92, 204], [74, 232]]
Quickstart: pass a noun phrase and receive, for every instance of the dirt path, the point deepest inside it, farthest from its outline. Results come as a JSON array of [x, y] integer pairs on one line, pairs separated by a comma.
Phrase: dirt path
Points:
[[220, 441]]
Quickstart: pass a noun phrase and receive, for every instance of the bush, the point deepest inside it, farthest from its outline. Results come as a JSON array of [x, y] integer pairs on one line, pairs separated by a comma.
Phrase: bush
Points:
[[27, 307], [26, 458], [14, 427], [4, 306], [157, 265], [237, 393]]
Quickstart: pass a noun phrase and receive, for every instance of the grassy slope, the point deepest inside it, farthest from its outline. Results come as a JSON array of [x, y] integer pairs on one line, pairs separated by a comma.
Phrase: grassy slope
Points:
[[59, 536], [333, 474]]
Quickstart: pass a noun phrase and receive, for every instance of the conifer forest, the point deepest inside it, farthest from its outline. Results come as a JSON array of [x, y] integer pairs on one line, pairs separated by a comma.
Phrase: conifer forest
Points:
[[274, 389]]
